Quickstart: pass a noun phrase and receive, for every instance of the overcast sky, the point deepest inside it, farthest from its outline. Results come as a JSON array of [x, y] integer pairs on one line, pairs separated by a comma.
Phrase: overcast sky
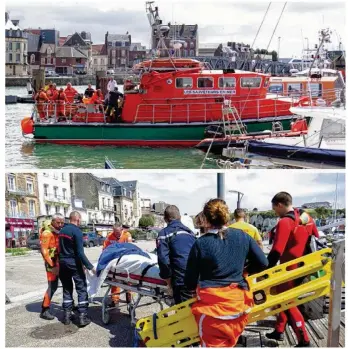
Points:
[[190, 191], [218, 21]]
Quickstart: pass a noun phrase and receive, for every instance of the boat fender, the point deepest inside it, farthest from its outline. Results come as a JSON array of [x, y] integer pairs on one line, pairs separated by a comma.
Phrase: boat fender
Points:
[[27, 125], [299, 125]]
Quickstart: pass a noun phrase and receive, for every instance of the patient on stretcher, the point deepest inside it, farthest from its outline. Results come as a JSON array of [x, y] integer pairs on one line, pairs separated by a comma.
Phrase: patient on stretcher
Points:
[[126, 263]]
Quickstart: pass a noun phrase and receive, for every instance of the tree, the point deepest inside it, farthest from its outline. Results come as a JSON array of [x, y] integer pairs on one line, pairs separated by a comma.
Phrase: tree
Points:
[[147, 220], [274, 56], [322, 212], [255, 209]]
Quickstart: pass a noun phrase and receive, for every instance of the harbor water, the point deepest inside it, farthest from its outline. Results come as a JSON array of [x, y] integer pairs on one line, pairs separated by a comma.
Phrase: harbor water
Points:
[[25, 154]]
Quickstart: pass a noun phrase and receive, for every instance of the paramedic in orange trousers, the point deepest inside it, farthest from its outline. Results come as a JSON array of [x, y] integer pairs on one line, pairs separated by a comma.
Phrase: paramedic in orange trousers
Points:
[[49, 241], [291, 240], [215, 268], [119, 235]]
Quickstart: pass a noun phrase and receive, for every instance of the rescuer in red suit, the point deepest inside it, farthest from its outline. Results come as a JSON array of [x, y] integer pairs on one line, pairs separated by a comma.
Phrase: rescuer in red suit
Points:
[[291, 241]]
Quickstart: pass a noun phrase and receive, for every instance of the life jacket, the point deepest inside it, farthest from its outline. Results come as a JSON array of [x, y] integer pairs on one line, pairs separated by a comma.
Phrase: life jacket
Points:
[[61, 96], [49, 241]]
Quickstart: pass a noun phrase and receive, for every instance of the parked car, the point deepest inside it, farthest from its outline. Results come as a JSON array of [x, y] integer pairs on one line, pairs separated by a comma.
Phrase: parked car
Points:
[[33, 241], [92, 239], [51, 73]]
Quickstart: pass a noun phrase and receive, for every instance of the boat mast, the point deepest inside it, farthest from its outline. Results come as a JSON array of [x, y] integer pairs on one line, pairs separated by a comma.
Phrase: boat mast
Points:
[[159, 31]]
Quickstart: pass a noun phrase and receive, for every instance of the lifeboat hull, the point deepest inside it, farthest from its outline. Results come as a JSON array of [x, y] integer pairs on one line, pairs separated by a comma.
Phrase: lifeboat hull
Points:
[[140, 134]]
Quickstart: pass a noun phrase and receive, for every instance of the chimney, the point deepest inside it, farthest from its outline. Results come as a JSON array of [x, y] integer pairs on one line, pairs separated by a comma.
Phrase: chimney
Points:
[[7, 17]]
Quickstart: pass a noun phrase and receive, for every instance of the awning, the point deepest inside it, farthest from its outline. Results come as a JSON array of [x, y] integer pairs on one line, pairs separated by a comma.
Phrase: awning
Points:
[[20, 223]]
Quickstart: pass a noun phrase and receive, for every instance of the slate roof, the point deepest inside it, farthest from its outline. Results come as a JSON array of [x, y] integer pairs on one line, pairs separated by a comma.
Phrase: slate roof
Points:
[[69, 52], [118, 37], [33, 42]]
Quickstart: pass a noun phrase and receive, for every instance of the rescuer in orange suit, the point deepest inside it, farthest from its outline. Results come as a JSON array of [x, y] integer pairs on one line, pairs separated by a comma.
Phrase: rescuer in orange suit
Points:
[[98, 100], [60, 99], [51, 93], [41, 99], [70, 92], [291, 240], [119, 235], [49, 240]]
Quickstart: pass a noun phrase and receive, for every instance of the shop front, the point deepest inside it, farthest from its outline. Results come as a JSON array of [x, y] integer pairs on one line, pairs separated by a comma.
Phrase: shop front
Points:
[[17, 231]]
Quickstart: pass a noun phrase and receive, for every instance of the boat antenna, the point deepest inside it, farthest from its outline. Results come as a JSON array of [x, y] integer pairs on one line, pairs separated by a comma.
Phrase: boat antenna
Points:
[[275, 28], [257, 34]]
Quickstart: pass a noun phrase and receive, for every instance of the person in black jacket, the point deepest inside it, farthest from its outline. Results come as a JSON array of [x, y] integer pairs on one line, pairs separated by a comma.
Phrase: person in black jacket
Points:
[[113, 102], [89, 91], [72, 261], [173, 247]]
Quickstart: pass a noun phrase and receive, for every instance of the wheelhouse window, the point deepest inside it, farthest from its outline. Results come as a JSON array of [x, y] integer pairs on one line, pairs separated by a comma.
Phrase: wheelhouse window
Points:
[[205, 82], [227, 82], [183, 83], [275, 88], [250, 82], [315, 89], [295, 89]]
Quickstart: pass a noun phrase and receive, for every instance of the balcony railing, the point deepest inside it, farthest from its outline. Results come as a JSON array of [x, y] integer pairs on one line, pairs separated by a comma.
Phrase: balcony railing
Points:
[[100, 221], [57, 199], [20, 192], [108, 208], [10, 214]]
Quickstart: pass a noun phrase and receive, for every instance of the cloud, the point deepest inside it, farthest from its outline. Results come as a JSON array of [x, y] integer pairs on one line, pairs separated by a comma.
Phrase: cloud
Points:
[[218, 22]]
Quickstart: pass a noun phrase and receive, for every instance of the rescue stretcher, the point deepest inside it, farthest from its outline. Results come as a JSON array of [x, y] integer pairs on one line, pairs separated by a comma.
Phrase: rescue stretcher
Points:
[[176, 326], [133, 274]]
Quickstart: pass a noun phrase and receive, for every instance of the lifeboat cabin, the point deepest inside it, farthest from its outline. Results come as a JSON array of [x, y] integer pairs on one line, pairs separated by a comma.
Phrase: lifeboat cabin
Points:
[[183, 91]]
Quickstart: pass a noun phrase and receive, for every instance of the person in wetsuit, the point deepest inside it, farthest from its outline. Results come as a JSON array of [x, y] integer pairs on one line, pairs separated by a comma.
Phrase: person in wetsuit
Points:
[[113, 104], [291, 240]]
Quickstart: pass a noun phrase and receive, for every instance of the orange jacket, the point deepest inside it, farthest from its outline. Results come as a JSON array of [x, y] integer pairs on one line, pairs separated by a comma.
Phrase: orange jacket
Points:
[[111, 238], [41, 97], [60, 97], [225, 303], [51, 93], [49, 241], [70, 94], [95, 99]]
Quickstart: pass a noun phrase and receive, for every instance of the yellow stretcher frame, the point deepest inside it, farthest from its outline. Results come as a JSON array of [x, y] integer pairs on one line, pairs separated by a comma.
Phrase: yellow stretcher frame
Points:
[[176, 326]]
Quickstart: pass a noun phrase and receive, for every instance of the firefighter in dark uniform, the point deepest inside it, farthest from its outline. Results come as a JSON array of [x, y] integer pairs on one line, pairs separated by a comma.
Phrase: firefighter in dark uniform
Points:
[[72, 261]]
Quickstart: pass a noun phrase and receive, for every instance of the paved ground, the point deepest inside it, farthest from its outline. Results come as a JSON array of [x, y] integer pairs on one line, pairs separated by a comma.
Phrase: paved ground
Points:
[[25, 286]]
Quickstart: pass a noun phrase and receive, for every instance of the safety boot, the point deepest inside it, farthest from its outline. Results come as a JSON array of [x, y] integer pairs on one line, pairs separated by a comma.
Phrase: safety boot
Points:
[[45, 314], [277, 336], [67, 317], [84, 320]]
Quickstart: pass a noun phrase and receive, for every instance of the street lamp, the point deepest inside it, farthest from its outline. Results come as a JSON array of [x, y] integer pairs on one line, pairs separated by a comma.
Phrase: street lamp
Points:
[[307, 43], [221, 186], [240, 196], [279, 37]]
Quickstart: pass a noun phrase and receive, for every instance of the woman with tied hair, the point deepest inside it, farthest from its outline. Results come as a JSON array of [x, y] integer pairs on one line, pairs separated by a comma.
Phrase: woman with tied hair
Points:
[[215, 269]]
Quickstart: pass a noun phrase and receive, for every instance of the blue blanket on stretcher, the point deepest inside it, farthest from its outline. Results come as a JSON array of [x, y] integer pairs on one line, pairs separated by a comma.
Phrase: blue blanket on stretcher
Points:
[[116, 251]]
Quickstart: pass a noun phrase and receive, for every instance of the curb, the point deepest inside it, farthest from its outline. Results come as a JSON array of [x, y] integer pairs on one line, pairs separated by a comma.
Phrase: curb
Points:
[[28, 253]]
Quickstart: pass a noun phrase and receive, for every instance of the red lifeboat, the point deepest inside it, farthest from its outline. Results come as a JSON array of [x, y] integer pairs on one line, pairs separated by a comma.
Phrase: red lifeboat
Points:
[[168, 64]]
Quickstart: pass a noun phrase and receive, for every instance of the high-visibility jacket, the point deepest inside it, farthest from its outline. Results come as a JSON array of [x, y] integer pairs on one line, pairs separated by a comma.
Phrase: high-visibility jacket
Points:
[[70, 94], [49, 241], [111, 238]]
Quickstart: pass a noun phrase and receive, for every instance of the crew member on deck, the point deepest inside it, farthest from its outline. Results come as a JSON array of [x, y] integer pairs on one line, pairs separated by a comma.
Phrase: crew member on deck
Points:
[[61, 99], [113, 103], [41, 100], [89, 91], [70, 93]]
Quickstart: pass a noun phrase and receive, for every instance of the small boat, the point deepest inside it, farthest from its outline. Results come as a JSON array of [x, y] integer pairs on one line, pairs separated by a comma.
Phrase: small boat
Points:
[[322, 147]]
